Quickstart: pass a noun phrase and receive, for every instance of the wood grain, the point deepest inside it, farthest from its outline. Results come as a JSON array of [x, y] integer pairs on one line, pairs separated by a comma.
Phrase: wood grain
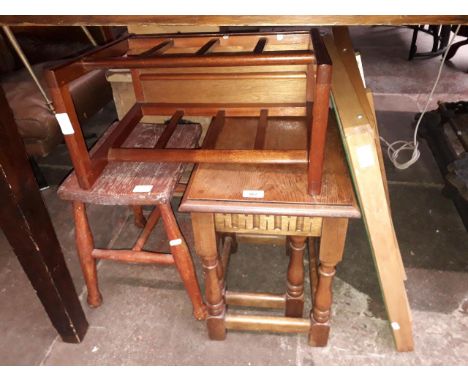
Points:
[[357, 133], [281, 185], [116, 184], [234, 20]]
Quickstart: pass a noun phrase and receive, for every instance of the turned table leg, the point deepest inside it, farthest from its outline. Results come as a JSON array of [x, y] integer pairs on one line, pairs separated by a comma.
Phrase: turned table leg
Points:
[[206, 248], [331, 252], [85, 246], [295, 284], [183, 261]]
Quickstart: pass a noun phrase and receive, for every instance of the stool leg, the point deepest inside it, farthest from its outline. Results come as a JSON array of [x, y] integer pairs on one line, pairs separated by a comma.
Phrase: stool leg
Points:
[[183, 261], [205, 244], [331, 252], [140, 220], [85, 245], [295, 284]]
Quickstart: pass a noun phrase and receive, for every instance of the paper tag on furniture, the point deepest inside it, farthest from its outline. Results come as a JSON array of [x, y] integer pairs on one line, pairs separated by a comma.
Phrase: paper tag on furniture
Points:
[[65, 123], [256, 194], [143, 188]]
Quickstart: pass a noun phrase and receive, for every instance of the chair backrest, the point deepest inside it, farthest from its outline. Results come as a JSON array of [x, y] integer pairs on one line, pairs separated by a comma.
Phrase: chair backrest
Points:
[[230, 79]]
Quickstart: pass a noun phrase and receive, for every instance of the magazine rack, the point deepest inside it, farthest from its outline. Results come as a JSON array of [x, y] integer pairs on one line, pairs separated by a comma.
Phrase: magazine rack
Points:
[[260, 75]]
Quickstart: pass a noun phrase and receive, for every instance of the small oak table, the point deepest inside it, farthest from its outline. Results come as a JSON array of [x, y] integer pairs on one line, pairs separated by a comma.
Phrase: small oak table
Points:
[[226, 201]]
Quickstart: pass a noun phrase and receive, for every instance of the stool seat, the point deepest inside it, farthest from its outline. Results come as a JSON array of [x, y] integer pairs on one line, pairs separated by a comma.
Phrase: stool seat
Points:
[[116, 185]]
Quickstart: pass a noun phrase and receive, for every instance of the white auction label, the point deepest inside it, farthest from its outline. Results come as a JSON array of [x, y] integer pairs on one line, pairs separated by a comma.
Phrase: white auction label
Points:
[[143, 188], [256, 194], [175, 242], [365, 156], [65, 123]]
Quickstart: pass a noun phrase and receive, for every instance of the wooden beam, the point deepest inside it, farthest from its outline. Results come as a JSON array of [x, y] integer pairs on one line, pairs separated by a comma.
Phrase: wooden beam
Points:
[[157, 50], [207, 47], [129, 256], [169, 130], [216, 125], [231, 109], [296, 57], [29, 230], [259, 300], [267, 323], [261, 130], [209, 156], [148, 228], [233, 20], [260, 46]]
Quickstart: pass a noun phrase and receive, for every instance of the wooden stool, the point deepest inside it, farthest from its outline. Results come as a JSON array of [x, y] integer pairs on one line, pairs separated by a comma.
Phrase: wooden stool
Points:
[[232, 200], [136, 184]]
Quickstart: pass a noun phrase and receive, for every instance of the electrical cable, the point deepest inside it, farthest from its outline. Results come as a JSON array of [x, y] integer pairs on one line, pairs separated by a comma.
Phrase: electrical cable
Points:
[[394, 149]]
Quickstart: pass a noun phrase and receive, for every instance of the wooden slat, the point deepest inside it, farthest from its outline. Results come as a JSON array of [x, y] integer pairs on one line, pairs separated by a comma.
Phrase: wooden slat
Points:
[[129, 256], [214, 129], [358, 137], [297, 57], [234, 20], [169, 130], [261, 130], [260, 45], [122, 131], [223, 76], [158, 49], [267, 323], [209, 156], [144, 235], [208, 46], [259, 300], [231, 110]]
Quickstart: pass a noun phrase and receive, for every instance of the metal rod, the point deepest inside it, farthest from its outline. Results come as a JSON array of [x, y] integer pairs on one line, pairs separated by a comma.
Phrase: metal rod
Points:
[[23, 58], [89, 35]]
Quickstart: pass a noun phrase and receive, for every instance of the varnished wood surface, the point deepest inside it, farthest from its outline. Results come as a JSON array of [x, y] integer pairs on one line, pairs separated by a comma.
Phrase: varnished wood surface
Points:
[[28, 228], [282, 20], [349, 97], [218, 188], [117, 181]]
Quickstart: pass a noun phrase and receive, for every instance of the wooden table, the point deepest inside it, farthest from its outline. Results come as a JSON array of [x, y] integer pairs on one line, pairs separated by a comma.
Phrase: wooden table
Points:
[[271, 200]]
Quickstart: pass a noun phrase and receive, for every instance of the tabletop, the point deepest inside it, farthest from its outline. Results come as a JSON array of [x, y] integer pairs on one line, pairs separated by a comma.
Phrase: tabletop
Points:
[[283, 188]]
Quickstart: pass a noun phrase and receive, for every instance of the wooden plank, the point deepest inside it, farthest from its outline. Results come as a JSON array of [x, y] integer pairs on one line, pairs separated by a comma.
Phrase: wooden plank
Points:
[[221, 59], [226, 88], [281, 184], [158, 49], [261, 130], [207, 47], [169, 130], [208, 156], [260, 45], [267, 323], [359, 142], [223, 76], [259, 300], [130, 256], [29, 230], [345, 47], [233, 20], [213, 130], [232, 110]]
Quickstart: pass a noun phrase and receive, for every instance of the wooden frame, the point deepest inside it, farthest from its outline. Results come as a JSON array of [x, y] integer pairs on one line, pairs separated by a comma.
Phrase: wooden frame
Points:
[[285, 56], [359, 132]]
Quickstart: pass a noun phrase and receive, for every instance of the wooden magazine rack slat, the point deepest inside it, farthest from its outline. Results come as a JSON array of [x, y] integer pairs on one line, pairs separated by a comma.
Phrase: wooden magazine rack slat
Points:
[[232, 64]]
